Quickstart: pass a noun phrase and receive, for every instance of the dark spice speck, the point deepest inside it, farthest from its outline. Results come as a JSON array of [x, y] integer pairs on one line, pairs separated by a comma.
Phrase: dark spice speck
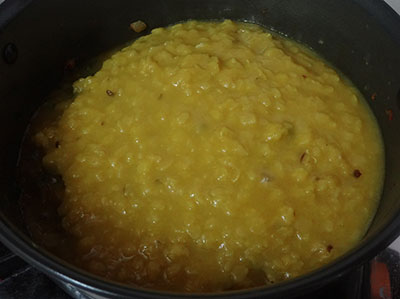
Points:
[[357, 173], [70, 64], [138, 26], [389, 113], [109, 93]]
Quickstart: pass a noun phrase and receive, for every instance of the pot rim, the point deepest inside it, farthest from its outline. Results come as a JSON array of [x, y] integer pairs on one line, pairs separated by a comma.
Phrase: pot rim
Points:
[[57, 268]]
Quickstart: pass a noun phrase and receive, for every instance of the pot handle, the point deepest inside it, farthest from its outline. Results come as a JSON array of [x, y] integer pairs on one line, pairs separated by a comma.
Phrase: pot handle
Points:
[[384, 277]]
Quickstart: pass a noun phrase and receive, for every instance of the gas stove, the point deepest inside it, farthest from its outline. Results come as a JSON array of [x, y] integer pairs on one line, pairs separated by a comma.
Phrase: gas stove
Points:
[[380, 278]]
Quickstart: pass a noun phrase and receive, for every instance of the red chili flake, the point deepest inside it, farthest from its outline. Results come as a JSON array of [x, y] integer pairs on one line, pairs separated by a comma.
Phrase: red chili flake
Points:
[[109, 93], [70, 64], [373, 96], [357, 173], [304, 76], [329, 248], [389, 113], [302, 157]]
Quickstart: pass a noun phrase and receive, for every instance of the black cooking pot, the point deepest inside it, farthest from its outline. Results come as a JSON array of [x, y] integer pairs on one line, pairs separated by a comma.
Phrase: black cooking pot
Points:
[[360, 37]]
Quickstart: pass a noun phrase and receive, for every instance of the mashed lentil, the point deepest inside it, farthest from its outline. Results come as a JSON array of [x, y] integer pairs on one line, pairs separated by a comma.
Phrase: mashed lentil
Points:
[[213, 156]]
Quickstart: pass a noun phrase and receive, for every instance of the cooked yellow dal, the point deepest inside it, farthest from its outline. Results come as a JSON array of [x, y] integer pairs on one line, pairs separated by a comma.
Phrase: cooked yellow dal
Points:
[[213, 156]]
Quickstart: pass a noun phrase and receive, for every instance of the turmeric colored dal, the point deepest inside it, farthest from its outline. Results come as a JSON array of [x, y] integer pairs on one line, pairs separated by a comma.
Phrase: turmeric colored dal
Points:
[[213, 156]]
